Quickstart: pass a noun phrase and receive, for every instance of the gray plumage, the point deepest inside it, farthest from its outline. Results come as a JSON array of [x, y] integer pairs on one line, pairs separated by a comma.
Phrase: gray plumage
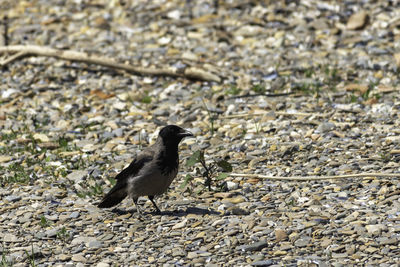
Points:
[[151, 173]]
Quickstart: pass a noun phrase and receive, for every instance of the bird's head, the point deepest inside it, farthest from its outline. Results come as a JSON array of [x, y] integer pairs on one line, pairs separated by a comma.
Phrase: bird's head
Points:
[[172, 134]]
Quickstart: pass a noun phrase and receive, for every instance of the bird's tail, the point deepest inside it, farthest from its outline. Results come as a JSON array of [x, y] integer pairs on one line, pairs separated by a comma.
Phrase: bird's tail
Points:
[[115, 196]]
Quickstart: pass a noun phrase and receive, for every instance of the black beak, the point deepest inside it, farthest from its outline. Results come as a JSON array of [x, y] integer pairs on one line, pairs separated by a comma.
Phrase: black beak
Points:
[[185, 133]]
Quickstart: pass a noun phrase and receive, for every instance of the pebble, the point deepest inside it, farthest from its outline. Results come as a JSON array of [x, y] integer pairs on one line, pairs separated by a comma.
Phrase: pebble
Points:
[[12, 198], [78, 258], [257, 246]]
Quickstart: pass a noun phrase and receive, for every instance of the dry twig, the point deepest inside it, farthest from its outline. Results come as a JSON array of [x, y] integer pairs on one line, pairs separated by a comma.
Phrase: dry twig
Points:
[[315, 178], [33, 50], [282, 113]]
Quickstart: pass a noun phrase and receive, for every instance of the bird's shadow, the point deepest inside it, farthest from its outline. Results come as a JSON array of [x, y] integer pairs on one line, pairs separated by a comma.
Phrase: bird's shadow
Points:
[[177, 213]]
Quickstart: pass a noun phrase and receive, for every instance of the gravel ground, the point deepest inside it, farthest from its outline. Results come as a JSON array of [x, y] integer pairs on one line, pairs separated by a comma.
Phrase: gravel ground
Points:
[[308, 88]]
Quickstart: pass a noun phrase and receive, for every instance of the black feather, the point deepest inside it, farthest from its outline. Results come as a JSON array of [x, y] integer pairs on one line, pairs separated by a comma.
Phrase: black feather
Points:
[[115, 196]]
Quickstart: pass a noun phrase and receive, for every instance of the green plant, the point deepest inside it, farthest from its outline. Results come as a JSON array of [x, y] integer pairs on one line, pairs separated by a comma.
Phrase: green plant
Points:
[[44, 222], [63, 142], [309, 72], [146, 99], [210, 172], [93, 188], [233, 90], [309, 88], [4, 261], [332, 77], [8, 136], [211, 118], [259, 89], [385, 156], [62, 234], [31, 257], [19, 175]]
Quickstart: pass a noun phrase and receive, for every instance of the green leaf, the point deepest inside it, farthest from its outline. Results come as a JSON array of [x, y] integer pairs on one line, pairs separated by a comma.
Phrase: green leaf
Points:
[[222, 176], [146, 99], [112, 181], [188, 178], [226, 166], [194, 159]]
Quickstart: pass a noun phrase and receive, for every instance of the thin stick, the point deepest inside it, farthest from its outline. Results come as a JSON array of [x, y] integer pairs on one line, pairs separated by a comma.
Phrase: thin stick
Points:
[[314, 178], [190, 72], [303, 114], [13, 58]]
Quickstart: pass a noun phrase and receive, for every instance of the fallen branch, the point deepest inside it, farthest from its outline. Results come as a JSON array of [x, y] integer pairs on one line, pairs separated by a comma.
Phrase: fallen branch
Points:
[[280, 113], [33, 50], [315, 178]]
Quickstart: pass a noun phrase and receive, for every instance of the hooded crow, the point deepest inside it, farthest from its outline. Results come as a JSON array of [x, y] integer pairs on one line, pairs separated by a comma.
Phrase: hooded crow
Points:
[[151, 173]]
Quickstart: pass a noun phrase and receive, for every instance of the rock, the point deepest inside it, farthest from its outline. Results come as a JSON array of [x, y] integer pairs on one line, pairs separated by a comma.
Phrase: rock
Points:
[[280, 235], [11, 238], [357, 20], [41, 137], [179, 225], [302, 242], [375, 229], [78, 258], [231, 185], [74, 215], [12, 198], [326, 127], [95, 244], [4, 158], [51, 233], [262, 263], [77, 176], [257, 246], [234, 210]]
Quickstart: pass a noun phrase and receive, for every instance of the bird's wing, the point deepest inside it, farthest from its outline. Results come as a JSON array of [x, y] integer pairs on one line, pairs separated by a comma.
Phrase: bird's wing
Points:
[[136, 165]]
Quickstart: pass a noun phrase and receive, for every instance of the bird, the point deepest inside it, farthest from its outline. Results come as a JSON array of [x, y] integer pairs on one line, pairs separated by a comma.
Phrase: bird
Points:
[[151, 172]]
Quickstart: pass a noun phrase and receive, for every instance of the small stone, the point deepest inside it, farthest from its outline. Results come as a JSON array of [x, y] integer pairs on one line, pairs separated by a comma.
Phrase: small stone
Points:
[[119, 105], [12, 198], [371, 250], [262, 263], [51, 233], [302, 242], [78, 258], [74, 215], [326, 127], [95, 244], [374, 229], [231, 185], [102, 264], [280, 235], [192, 255], [77, 176], [179, 225], [41, 137], [64, 257], [257, 246], [118, 132], [357, 20], [234, 210], [4, 158], [10, 238]]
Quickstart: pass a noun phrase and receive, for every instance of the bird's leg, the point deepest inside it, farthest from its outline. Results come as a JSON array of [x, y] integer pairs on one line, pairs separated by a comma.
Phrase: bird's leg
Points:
[[154, 203], [135, 200]]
